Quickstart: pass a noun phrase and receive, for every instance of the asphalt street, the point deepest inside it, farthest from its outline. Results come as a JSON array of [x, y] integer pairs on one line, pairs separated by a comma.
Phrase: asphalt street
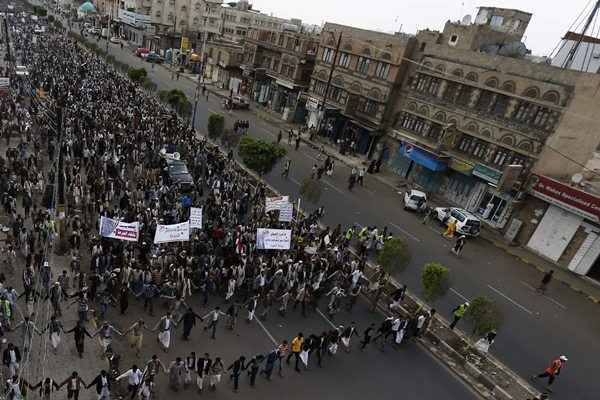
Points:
[[536, 328], [410, 372]]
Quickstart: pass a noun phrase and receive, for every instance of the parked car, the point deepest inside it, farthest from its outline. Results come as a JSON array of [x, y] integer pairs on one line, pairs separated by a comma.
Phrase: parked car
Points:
[[466, 223], [153, 57], [21, 70], [93, 31], [115, 39], [140, 51], [415, 200]]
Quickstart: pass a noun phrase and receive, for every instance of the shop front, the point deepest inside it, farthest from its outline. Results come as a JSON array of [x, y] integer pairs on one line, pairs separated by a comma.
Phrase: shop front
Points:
[[420, 165], [486, 200], [569, 231]]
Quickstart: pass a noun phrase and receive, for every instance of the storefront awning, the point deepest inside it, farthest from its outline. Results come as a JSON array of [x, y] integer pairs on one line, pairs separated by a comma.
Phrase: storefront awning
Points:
[[423, 157]]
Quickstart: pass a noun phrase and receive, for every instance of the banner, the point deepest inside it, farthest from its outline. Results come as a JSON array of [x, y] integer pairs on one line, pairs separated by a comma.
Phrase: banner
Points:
[[111, 228], [273, 239], [172, 233], [275, 203], [286, 212], [195, 217]]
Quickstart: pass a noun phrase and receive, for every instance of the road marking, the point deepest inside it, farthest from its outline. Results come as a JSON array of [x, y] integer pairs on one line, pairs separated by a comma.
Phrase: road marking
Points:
[[335, 188], [511, 300], [547, 297], [456, 292], [327, 319], [295, 181], [266, 330], [407, 233]]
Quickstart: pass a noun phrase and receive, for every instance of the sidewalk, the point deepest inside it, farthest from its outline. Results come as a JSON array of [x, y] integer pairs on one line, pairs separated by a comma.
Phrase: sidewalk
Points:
[[575, 282]]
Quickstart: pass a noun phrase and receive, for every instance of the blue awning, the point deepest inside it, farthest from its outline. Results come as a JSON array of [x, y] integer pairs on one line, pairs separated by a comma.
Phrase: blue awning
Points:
[[423, 157]]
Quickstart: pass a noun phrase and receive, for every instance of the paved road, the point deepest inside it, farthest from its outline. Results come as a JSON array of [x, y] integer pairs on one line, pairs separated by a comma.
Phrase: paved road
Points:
[[536, 328], [411, 371]]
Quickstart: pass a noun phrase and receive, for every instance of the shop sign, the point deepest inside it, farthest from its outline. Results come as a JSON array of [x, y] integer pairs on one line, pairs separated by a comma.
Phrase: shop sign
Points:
[[312, 104], [185, 43], [133, 18], [564, 196], [461, 166], [487, 174]]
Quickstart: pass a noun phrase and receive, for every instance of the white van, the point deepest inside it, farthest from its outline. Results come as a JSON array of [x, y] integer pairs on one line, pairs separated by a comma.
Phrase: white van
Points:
[[415, 200], [466, 223]]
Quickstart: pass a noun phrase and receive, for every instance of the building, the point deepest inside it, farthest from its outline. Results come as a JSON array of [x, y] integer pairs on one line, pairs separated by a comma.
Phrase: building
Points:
[[355, 82], [511, 140], [278, 66], [223, 66]]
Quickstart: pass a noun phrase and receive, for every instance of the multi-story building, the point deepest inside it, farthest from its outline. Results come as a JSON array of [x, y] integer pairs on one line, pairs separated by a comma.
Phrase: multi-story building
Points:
[[223, 66], [355, 82], [477, 118], [278, 66]]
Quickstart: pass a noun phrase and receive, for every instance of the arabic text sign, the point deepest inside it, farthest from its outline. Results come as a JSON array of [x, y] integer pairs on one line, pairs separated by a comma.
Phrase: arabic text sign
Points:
[[172, 233], [286, 212], [273, 239], [111, 228], [275, 203], [196, 217]]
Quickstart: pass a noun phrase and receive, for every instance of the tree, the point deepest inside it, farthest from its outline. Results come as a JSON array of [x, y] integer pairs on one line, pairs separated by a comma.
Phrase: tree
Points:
[[216, 125], [485, 316], [260, 155], [311, 190], [176, 99], [435, 280], [39, 11], [137, 74], [394, 256]]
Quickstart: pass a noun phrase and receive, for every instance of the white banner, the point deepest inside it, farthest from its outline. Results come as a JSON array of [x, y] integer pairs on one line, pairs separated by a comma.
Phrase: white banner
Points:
[[273, 239], [275, 203], [286, 212], [195, 217], [111, 228], [172, 233]]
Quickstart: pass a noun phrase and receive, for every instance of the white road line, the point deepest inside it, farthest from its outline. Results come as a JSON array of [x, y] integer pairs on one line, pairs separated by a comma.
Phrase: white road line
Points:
[[407, 233], [456, 292], [511, 300], [295, 181], [335, 188], [326, 319], [266, 331], [547, 297]]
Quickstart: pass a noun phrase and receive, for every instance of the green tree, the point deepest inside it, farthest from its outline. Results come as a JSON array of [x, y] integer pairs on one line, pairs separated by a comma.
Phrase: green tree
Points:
[[216, 125], [259, 155], [137, 74], [435, 280], [311, 190], [39, 11], [485, 316], [394, 256], [176, 99]]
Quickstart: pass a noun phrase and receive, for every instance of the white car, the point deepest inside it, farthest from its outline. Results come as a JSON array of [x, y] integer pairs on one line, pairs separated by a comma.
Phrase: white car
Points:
[[415, 200], [466, 223], [115, 39], [21, 70]]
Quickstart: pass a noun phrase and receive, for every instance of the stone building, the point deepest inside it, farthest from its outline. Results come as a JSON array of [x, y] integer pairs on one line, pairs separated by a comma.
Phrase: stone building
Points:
[[278, 66], [223, 66], [493, 132], [366, 73]]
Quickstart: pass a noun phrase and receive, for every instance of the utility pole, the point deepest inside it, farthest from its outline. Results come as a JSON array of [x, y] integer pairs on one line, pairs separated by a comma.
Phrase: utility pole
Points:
[[173, 49], [331, 70], [200, 76]]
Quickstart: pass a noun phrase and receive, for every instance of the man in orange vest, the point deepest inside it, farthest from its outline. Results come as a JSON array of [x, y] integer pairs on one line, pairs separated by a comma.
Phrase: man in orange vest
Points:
[[552, 371]]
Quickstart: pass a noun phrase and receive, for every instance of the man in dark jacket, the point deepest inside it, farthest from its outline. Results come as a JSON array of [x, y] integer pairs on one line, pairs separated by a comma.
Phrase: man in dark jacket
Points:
[[189, 321], [11, 357], [102, 383]]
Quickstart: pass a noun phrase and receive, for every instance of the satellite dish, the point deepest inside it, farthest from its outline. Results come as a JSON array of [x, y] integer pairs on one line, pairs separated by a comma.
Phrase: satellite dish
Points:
[[466, 20], [577, 178]]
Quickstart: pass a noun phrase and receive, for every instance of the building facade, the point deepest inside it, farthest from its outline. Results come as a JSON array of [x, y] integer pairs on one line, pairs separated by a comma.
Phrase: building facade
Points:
[[355, 81], [278, 66], [223, 66]]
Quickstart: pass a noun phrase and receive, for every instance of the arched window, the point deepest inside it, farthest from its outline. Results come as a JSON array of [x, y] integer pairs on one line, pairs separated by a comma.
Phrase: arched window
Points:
[[491, 82], [509, 86], [532, 92], [458, 72], [552, 96], [472, 76]]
